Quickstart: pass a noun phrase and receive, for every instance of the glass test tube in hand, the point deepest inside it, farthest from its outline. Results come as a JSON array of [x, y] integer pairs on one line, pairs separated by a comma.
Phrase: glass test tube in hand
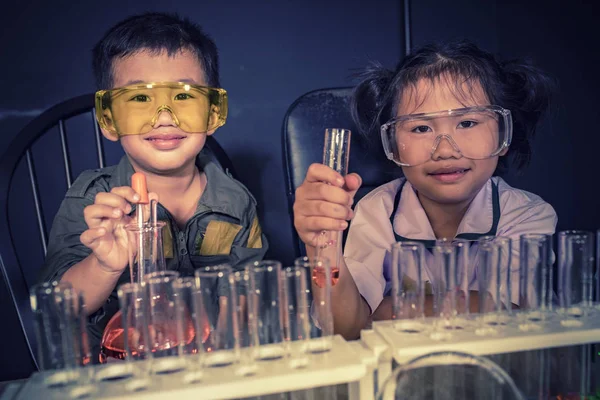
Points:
[[336, 153]]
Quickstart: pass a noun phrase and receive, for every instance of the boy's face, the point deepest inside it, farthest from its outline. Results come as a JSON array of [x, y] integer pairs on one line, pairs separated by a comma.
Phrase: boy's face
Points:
[[448, 177], [166, 149]]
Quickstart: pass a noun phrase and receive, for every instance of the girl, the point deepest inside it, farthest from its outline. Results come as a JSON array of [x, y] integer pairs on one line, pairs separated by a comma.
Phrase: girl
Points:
[[450, 116]]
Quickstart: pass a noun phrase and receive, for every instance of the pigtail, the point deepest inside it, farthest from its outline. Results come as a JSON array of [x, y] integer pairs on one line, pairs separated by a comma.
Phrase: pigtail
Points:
[[367, 100], [528, 93]]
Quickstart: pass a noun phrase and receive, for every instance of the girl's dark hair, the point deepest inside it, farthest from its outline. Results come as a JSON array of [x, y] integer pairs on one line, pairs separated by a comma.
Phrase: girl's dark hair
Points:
[[155, 32], [515, 85]]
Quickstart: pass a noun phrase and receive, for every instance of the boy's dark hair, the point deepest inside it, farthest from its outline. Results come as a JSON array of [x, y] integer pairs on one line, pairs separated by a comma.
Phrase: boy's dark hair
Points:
[[156, 32], [515, 85]]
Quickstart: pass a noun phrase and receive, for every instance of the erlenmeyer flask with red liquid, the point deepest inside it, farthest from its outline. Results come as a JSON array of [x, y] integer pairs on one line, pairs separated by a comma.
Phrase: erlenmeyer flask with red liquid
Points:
[[145, 250]]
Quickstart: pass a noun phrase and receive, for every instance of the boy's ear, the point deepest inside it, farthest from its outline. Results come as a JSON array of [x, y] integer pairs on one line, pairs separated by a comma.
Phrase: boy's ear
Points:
[[108, 127], [213, 119], [113, 137]]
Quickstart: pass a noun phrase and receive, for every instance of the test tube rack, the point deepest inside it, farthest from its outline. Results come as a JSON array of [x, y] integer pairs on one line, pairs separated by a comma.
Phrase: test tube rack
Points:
[[349, 363], [411, 338]]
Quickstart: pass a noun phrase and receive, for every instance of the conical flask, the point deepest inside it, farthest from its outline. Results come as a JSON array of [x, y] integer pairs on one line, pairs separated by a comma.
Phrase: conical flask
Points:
[[145, 250]]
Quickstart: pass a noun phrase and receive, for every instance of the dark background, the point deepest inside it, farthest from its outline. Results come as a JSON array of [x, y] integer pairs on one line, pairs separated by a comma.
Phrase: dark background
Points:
[[272, 52]]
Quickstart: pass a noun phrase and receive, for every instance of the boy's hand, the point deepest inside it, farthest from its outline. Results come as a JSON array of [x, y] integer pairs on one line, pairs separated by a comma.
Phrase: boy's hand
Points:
[[324, 202], [106, 220]]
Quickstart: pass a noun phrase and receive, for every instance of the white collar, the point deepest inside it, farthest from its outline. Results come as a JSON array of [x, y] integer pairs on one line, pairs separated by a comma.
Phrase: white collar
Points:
[[411, 222]]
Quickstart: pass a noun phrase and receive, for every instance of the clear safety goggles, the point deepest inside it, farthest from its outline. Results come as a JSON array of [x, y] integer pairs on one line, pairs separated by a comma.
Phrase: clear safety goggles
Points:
[[135, 109], [474, 132]]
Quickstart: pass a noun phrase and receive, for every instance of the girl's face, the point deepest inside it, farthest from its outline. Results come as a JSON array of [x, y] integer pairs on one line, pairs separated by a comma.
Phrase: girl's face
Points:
[[448, 177]]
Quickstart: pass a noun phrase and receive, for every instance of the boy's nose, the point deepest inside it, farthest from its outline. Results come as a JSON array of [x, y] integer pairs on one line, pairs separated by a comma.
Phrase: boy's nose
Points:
[[164, 117], [444, 147]]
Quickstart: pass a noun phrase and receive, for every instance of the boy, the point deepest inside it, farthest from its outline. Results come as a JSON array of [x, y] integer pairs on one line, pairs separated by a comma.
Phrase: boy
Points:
[[210, 217]]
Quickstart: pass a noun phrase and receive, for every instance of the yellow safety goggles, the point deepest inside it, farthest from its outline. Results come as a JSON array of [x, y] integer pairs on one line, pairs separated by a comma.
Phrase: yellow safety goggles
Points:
[[135, 109]]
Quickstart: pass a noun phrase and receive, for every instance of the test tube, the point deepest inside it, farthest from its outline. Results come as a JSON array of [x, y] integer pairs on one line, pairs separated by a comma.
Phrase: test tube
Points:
[[336, 150], [407, 281], [163, 321], [575, 275], [266, 299], [218, 307], [462, 253], [504, 274], [445, 283], [336, 153], [133, 302], [319, 271], [189, 324], [59, 322], [298, 310], [494, 278], [535, 287], [488, 285]]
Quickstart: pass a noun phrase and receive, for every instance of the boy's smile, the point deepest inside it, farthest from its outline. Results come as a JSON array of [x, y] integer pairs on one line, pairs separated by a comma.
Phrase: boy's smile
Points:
[[165, 141]]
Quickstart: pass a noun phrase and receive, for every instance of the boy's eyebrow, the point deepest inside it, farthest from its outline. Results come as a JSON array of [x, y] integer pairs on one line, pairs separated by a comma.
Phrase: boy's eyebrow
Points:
[[138, 81]]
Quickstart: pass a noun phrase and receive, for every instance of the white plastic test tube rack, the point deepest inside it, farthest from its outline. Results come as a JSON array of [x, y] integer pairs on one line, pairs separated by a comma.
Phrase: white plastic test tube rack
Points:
[[349, 363], [408, 338]]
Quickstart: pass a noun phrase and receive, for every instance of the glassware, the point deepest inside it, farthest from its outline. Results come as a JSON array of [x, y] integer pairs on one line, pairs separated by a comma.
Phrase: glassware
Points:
[[462, 249], [321, 315], [165, 321], [59, 322], [297, 290], [267, 305], [488, 271], [408, 288], [535, 288], [449, 375], [145, 250], [218, 306], [445, 284], [134, 330], [336, 153], [575, 275]]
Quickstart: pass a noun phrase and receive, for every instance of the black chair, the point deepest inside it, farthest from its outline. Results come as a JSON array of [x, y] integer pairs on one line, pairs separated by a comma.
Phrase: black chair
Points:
[[303, 134], [19, 157]]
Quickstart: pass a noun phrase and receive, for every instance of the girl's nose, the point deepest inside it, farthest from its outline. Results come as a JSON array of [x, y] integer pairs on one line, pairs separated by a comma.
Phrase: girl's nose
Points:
[[444, 147]]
